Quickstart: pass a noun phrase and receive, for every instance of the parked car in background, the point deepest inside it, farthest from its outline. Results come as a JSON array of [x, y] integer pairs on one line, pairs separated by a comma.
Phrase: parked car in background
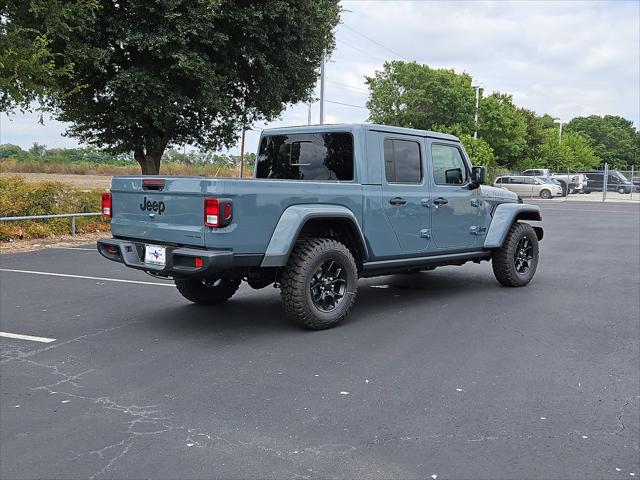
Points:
[[537, 172], [524, 186], [616, 182], [571, 182], [636, 183]]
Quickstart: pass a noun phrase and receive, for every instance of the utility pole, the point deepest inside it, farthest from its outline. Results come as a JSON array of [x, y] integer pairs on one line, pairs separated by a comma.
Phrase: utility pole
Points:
[[242, 151], [322, 89], [309, 115], [475, 131]]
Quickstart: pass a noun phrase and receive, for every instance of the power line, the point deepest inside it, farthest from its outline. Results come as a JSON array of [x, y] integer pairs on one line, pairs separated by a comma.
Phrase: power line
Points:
[[346, 104], [374, 41], [344, 85], [342, 42]]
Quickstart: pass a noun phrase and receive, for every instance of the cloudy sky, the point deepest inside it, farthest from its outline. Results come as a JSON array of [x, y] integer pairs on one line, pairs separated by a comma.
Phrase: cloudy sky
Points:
[[562, 58]]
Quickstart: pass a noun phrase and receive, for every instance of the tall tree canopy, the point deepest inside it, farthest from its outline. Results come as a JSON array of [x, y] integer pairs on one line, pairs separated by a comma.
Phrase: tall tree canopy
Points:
[[29, 66], [146, 74], [503, 127], [613, 138], [417, 96]]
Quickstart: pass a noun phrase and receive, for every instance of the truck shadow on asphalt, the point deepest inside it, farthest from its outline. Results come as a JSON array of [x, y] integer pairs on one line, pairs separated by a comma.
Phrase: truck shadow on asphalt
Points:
[[261, 312]]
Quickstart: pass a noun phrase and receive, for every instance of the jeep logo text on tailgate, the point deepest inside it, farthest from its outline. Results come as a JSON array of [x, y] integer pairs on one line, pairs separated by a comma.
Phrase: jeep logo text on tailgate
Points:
[[152, 206]]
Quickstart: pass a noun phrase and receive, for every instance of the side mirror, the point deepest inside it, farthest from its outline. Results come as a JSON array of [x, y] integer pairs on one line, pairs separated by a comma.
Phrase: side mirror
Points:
[[478, 175], [453, 176]]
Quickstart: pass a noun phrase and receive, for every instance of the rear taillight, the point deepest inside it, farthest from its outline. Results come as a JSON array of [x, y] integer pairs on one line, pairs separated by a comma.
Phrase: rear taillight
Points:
[[106, 210], [217, 212]]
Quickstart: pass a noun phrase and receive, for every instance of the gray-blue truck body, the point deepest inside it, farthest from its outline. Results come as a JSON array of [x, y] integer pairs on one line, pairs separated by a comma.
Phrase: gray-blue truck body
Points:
[[391, 225]]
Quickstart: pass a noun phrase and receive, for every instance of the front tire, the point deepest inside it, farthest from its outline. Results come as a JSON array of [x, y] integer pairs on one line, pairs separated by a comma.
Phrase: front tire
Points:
[[515, 263], [622, 190], [546, 194], [319, 283], [207, 291]]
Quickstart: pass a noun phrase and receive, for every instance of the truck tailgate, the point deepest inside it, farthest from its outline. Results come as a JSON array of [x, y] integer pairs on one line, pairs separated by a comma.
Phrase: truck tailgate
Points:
[[163, 210]]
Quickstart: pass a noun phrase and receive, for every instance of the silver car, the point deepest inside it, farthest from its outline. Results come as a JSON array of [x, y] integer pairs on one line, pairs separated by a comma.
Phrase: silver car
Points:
[[530, 186]]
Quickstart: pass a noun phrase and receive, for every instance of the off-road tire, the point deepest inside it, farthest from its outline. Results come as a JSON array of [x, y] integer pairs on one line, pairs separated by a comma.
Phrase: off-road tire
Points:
[[545, 194], [503, 259], [295, 282], [207, 291]]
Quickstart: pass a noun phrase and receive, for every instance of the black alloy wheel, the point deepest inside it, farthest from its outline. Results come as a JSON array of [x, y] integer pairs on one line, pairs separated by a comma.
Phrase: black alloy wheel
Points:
[[328, 286], [523, 256]]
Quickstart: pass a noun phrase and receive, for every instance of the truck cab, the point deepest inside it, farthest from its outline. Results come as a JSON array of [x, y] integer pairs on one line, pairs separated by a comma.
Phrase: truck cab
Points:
[[373, 199]]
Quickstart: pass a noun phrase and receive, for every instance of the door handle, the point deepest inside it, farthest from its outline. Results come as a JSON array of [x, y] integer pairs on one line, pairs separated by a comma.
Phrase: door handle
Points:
[[397, 201], [440, 201], [426, 202]]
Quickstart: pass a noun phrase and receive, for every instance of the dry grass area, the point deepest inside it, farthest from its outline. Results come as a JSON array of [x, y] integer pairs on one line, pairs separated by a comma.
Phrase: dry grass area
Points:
[[54, 242], [11, 165], [85, 182]]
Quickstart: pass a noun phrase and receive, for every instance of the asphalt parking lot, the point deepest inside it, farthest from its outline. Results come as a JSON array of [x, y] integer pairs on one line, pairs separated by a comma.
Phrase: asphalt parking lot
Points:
[[444, 374]]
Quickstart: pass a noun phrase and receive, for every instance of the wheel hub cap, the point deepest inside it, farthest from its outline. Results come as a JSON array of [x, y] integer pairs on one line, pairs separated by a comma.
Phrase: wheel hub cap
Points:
[[328, 286], [523, 256]]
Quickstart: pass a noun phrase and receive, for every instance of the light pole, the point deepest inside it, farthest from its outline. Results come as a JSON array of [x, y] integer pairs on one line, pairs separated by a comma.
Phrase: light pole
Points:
[[477, 89], [559, 122]]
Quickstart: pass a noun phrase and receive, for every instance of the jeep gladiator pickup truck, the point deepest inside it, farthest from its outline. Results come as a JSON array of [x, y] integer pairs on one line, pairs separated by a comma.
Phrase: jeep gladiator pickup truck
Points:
[[328, 204]]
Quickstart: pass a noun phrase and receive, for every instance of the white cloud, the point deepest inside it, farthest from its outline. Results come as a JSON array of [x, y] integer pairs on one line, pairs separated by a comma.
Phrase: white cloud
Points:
[[562, 58]]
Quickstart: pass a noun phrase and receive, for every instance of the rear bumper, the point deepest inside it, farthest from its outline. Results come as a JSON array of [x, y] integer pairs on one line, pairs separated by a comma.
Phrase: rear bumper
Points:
[[180, 261]]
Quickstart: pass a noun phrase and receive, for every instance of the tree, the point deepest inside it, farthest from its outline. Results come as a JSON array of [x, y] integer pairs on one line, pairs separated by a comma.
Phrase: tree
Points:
[[29, 67], [37, 149], [503, 127], [479, 151], [573, 153], [614, 139], [535, 128], [9, 150], [147, 74], [417, 96]]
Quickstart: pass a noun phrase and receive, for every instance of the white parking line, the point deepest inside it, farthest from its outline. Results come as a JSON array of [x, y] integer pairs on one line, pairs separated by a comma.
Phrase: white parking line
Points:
[[547, 209], [102, 279], [27, 337], [76, 248]]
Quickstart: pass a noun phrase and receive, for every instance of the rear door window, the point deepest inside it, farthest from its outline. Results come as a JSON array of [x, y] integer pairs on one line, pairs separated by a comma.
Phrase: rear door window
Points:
[[402, 161], [306, 156]]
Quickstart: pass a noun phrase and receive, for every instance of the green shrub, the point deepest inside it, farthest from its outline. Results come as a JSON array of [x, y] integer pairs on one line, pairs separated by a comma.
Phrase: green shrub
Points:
[[19, 197]]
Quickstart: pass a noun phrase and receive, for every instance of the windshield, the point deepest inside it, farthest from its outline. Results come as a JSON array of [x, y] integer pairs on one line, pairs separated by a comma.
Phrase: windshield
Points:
[[547, 180], [620, 176]]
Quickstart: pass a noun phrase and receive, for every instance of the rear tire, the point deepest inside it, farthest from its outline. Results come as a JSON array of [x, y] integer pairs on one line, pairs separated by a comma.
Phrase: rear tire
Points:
[[515, 263], [207, 291], [319, 283], [546, 194]]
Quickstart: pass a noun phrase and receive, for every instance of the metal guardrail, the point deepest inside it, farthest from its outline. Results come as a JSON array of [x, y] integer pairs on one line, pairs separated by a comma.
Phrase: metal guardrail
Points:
[[73, 217]]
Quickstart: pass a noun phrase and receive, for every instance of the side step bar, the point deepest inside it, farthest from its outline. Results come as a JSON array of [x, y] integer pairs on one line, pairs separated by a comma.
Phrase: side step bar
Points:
[[376, 268]]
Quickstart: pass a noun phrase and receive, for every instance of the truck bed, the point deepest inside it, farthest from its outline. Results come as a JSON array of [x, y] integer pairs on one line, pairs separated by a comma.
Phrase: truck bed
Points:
[[257, 206]]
